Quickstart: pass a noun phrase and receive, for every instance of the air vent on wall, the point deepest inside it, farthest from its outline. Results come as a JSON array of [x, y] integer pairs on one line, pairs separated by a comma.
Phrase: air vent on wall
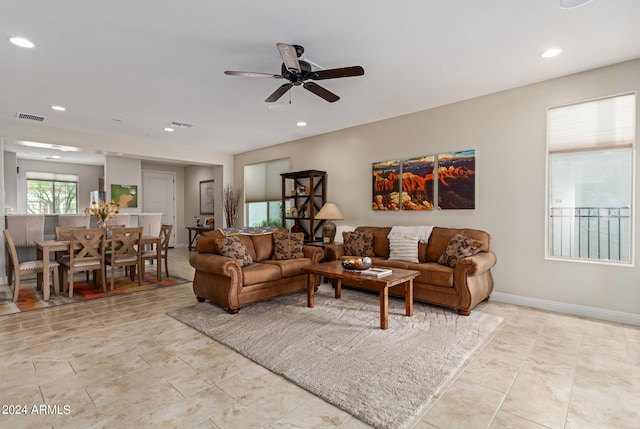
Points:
[[176, 124], [29, 117]]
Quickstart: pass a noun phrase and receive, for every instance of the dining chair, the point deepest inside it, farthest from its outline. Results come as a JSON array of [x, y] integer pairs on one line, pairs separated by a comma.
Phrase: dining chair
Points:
[[63, 233], [150, 222], [76, 220], [126, 251], [87, 254], [152, 254], [25, 231], [28, 267]]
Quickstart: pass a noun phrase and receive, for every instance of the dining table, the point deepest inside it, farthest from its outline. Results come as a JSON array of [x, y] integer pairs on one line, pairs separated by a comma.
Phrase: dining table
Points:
[[47, 247]]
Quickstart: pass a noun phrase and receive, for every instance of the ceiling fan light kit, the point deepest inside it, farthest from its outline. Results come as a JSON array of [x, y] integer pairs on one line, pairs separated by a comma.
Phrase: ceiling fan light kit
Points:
[[298, 72], [572, 4]]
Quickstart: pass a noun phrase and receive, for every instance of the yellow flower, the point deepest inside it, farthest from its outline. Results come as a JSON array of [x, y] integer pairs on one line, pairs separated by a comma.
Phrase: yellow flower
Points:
[[102, 211]]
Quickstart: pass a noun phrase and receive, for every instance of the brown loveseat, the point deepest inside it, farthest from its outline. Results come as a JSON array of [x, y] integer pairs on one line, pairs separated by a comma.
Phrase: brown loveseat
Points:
[[226, 282], [460, 288]]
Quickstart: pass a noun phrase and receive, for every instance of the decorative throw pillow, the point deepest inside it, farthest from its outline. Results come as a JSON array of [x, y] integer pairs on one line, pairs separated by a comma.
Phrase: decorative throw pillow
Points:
[[287, 245], [358, 243], [403, 247], [459, 247], [232, 247]]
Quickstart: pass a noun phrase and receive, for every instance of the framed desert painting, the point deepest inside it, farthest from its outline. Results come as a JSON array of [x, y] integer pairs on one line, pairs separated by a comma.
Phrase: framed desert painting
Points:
[[417, 183], [457, 180], [386, 185]]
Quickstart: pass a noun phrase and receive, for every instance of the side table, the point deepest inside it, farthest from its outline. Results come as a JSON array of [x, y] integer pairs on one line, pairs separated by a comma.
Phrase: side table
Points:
[[193, 233]]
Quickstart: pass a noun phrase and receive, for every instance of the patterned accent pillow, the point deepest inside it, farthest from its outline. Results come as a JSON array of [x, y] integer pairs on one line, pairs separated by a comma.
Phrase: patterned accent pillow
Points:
[[232, 247], [287, 245], [358, 243], [459, 247], [403, 247]]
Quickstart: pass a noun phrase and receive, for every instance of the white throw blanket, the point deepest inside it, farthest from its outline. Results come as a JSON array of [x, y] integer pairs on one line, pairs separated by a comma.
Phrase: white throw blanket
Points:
[[422, 232]]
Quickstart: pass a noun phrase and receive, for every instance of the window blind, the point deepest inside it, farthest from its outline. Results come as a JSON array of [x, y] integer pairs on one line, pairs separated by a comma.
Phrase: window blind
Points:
[[606, 123], [57, 177], [262, 181]]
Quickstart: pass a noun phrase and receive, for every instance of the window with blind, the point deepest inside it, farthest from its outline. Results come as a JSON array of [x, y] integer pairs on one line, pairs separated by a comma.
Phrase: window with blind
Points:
[[263, 192], [590, 180], [51, 193]]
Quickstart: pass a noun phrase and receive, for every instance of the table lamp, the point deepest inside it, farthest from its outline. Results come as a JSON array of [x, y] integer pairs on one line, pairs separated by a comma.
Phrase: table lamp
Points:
[[329, 212]]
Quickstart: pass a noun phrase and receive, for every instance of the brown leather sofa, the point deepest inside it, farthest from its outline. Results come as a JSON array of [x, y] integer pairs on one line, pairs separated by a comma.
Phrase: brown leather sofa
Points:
[[460, 288], [224, 281]]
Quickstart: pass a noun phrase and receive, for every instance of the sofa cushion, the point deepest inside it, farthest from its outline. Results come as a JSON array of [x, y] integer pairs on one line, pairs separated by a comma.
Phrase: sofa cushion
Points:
[[260, 273], [233, 247], [263, 245], [287, 245], [206, 242], [459, 247], [290, 267], [358, 243], [248, 243], [440, 237], [403, 247], [380, 240], [433, 274]]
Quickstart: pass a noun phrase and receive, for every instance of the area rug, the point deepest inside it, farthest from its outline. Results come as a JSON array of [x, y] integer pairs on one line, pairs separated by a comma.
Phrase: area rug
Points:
[[338, 352], [31, 299]]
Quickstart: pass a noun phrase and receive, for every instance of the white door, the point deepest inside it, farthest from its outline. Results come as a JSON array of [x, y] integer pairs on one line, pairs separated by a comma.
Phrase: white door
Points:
[[159, 197]]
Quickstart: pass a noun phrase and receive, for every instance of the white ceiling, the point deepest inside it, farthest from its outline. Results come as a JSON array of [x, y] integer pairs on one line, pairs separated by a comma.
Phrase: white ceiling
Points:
[[151, 62]]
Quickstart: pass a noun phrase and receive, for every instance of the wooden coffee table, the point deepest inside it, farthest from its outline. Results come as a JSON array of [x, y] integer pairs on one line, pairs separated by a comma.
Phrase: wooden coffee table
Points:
[[334, 270]]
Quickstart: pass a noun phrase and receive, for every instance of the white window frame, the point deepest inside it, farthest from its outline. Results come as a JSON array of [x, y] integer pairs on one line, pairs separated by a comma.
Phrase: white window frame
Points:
[[597, 144]]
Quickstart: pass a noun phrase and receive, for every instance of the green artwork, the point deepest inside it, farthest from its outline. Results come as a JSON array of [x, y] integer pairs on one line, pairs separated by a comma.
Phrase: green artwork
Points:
[[125, 195]]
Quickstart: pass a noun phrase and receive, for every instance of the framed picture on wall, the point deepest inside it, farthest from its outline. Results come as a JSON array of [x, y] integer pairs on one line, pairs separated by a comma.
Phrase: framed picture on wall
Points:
[[206, 197], [125, 195]]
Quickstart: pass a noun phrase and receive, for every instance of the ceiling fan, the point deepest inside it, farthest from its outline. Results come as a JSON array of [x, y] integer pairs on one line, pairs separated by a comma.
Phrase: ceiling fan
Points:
[[298, 72]]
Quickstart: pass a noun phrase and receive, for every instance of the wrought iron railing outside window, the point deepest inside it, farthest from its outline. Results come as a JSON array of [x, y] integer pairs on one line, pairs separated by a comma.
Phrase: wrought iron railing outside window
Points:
[[595, 233]]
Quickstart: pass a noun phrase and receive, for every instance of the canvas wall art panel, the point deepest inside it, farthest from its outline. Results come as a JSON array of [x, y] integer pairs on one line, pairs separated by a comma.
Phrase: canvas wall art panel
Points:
[[125, 195], [386, 185], [417, 183], [457, 180]]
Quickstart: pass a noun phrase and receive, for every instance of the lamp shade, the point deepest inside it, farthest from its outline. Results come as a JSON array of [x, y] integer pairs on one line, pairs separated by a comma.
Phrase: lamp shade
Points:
[[329, 212]]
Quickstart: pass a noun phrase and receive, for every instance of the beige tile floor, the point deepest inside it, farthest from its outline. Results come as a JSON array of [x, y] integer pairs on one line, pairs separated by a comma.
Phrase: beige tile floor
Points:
[[122, 363]]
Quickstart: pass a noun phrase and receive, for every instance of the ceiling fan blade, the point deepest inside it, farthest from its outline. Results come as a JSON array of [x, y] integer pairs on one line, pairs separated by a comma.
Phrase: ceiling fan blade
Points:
[[335, 73], [289, 56], [252, 74], [321, 92], [278, 93]]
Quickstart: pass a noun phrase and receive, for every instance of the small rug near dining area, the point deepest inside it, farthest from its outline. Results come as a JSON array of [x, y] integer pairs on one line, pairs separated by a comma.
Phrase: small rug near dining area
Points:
[[31, 299], [338, 352]]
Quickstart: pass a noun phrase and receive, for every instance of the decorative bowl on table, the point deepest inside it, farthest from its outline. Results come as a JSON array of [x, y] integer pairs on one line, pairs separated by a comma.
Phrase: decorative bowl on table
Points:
[[356, 264]]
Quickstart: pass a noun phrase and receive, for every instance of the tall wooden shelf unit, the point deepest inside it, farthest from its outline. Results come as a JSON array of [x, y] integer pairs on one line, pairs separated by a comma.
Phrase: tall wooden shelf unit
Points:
[[315, 184]]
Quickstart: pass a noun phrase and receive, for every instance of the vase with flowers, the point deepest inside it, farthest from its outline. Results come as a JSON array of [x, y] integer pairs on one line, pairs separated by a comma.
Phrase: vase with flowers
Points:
[[102, 211]]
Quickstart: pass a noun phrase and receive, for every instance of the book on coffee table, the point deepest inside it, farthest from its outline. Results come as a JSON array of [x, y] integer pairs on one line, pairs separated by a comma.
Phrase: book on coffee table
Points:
[[376, 272]]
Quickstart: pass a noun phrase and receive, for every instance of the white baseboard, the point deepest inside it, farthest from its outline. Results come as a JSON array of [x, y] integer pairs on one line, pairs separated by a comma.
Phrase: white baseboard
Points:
[[561, 307]]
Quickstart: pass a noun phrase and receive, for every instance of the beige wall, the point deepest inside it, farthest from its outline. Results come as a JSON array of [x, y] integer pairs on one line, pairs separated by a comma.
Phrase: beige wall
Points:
[[508, 132]]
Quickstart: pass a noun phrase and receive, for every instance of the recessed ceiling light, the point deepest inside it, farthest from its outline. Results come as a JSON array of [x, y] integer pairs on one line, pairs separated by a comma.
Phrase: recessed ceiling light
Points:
[[301, 124], [572, 4], [168, 129], [22, 42], [550, 53], [59, 108]]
